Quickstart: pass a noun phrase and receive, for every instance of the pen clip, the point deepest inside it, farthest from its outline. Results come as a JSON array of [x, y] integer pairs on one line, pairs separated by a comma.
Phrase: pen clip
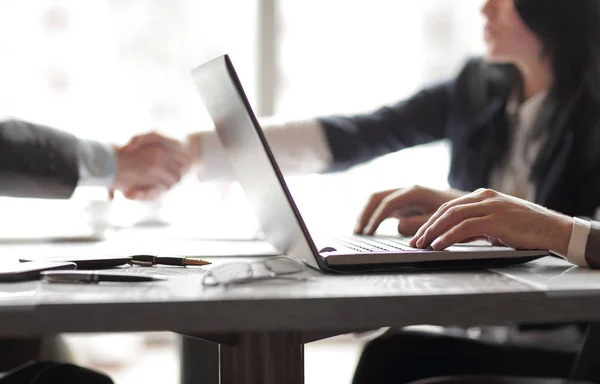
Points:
[[143, 260]]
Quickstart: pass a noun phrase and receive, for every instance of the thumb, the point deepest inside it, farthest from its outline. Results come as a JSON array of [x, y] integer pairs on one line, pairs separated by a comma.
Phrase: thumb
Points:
[[408, 226], [142, 193], [142, 140]]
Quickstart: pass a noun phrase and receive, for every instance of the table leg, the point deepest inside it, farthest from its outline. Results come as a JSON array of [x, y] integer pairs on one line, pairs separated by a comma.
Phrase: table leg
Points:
[[263, 358], [199, 361]]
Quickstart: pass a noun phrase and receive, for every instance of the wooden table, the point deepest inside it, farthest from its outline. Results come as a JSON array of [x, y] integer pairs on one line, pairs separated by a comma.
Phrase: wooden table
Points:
[[262, 327]]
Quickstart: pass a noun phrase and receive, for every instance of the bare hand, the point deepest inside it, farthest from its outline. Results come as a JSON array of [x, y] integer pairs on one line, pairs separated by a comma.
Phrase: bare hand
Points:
[[149, 165], [501, 218], [413, 206]]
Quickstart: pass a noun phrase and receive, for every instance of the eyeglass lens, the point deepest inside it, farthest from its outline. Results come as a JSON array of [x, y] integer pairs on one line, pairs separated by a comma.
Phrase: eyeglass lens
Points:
[[238, 272]]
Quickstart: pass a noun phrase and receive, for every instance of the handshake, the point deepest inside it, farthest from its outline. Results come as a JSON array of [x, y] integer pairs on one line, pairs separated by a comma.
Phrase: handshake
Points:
[[149, 165]]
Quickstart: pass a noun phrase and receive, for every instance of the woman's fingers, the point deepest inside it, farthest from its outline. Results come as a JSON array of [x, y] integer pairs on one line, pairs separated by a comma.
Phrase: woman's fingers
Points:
[[403, 200], [408, 226], [372, 204], [475, 197], [451, 218], [467, 229]]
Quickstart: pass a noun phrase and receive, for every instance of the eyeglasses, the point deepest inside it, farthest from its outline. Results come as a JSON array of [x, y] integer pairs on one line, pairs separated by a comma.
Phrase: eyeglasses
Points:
[[280, 267]]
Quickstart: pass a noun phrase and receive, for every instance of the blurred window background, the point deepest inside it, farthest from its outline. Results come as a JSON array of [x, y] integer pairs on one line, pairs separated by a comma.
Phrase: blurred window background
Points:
[[111, 69]]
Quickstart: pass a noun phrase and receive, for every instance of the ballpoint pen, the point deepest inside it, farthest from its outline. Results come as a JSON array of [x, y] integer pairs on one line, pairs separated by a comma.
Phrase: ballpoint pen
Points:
[[149, 260], [94, 277]]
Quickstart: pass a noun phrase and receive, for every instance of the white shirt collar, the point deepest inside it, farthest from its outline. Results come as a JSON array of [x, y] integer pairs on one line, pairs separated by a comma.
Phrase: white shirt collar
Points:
[[529, 108]]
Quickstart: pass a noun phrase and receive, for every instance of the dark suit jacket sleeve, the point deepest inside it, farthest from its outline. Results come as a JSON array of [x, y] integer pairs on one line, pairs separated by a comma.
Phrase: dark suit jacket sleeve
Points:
[[592, 248], [423, 118], [357, 139], [37, 161]]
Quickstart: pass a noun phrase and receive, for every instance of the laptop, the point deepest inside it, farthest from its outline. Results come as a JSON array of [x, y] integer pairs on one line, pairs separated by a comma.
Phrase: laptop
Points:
[[256, 169]]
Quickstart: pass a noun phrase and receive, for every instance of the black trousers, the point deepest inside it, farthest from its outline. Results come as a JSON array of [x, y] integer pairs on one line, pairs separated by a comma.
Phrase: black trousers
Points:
[[412, 355], [52, 373]]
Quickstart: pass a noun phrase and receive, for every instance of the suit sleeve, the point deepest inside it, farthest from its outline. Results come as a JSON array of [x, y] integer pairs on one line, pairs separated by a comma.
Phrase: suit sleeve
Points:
[[423, 118], [37, 161], [357, 139], [592, 248]]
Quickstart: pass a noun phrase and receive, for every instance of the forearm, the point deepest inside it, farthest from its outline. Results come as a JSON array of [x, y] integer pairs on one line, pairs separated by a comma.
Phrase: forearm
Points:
[[357, 139], [42, 162], [300, 147], [37, 161], [338, 142]]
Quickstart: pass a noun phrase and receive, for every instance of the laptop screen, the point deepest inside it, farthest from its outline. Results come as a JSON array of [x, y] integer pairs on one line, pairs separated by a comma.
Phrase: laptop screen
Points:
[[252, 160]]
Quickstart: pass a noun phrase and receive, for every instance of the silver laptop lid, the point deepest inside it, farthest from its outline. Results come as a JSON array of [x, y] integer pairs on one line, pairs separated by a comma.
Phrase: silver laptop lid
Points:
[[252, 160]]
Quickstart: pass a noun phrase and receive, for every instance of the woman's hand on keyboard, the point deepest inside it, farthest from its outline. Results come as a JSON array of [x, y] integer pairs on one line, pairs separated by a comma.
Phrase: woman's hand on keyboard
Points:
[[413, 206], [501, 218]]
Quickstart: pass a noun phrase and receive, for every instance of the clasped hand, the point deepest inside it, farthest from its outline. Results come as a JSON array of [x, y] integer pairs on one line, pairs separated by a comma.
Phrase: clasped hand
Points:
[[149, 165]]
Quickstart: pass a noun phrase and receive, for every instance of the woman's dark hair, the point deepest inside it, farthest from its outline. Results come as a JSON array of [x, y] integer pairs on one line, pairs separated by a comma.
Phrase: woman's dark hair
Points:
[[570, 34]]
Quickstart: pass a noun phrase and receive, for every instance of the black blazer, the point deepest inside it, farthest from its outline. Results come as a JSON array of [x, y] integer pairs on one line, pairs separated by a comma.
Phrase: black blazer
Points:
[[37, 161], [469, 111]]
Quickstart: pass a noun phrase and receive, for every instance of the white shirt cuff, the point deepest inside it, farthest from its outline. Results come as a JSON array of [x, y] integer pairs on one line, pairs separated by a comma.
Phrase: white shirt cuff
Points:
[[97, 164], [300, 147], [577, 243]]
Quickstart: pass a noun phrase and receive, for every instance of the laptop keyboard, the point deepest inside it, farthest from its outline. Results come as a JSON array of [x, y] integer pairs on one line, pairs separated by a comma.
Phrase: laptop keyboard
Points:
[[374, 244]]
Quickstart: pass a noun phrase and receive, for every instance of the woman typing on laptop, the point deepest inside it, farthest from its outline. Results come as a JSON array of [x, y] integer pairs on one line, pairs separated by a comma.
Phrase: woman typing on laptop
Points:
[[542, 146], [523, 121]]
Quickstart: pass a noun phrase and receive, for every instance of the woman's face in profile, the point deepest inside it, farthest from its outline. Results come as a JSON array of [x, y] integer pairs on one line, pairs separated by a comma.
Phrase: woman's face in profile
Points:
[[507, 38]]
